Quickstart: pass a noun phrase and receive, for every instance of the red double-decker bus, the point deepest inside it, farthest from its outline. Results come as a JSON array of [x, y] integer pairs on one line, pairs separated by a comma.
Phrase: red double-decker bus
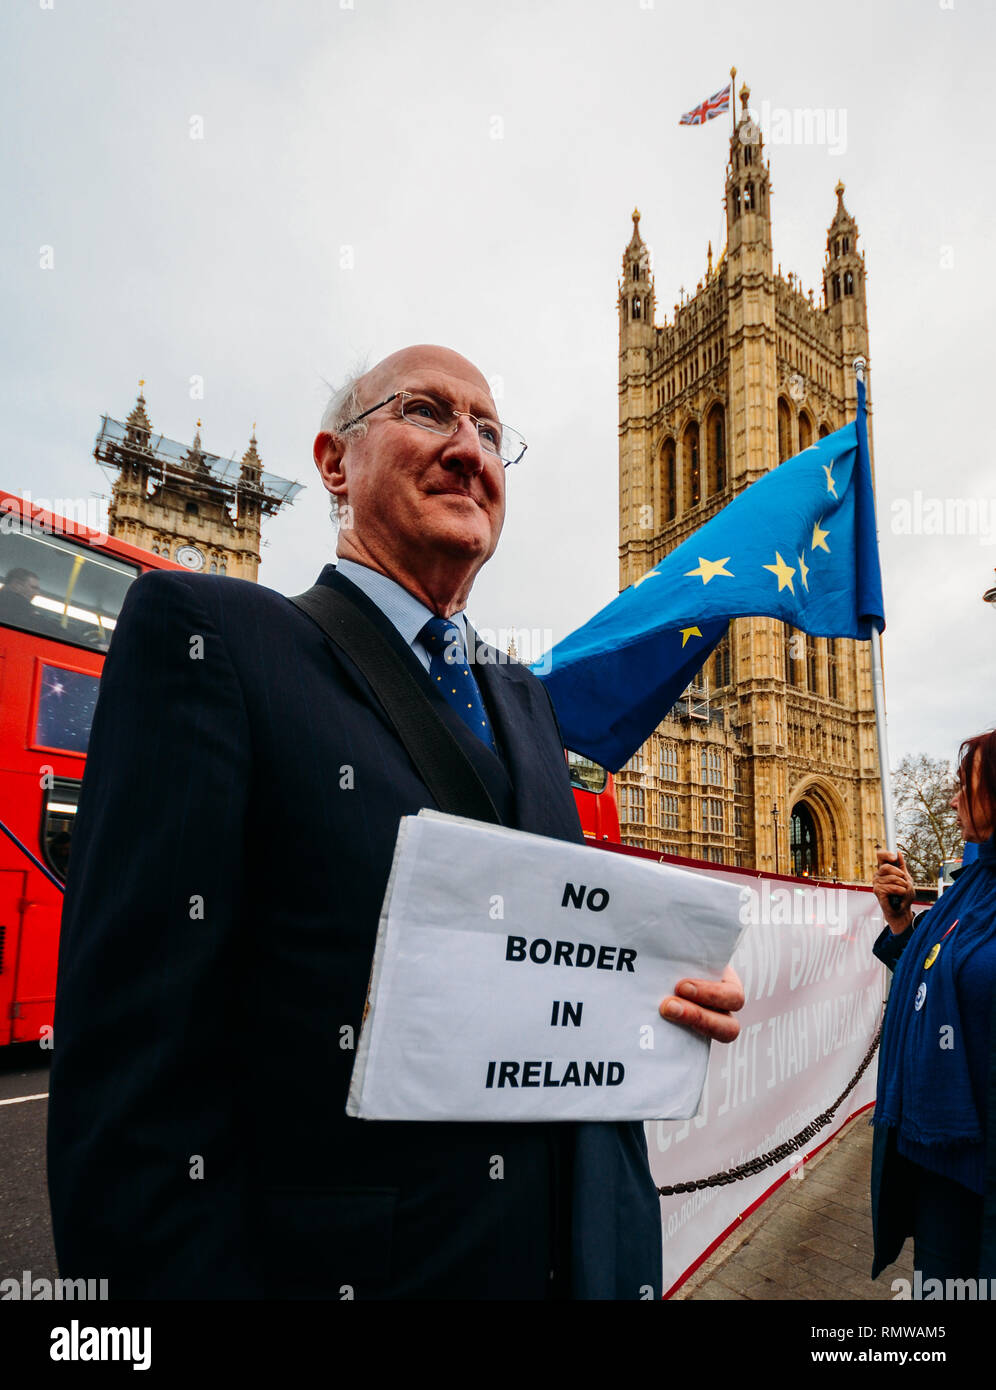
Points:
[[594, 794], [63, 585]]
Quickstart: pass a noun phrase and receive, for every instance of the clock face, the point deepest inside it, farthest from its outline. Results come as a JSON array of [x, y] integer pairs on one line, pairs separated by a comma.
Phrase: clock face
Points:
[[190, 557]]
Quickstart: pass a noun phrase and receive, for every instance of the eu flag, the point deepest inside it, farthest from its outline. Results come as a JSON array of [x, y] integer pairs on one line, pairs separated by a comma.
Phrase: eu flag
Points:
[[799, 544]]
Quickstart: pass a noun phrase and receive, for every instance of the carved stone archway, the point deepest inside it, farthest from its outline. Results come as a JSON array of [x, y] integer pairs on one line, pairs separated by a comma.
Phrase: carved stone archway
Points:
[[822, 830]]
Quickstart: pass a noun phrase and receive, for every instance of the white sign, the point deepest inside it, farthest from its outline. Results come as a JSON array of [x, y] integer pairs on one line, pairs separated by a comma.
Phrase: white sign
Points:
[[517, 977]]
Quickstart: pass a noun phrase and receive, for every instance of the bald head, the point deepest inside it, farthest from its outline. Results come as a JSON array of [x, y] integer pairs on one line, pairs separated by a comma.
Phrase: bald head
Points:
[[386, 377], [362, 391], [422, 505]]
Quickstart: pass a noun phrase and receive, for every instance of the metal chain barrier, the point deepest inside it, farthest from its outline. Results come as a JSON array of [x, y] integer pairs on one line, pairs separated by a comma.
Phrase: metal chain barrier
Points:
[[757, 1165]]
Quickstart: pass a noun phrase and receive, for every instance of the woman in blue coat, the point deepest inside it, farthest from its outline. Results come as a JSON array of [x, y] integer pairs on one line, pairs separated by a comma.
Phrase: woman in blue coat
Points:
[[934, 1162]]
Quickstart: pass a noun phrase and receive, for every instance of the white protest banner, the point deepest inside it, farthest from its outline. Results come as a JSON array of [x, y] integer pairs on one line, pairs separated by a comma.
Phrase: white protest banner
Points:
[[813, 1003], [517, 977]]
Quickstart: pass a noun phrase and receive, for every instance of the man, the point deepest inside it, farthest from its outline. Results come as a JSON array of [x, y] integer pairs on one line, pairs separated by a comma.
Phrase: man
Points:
[[17, 608], [236, 829]]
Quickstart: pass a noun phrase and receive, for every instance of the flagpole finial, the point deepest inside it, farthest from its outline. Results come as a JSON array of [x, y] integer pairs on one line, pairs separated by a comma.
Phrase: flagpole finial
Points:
[[859, 368], [733, 97]]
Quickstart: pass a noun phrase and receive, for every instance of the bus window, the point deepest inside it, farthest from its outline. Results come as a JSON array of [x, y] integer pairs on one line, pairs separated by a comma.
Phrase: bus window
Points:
[[59, 589], [66, 702], [586, 776], [58, 819]]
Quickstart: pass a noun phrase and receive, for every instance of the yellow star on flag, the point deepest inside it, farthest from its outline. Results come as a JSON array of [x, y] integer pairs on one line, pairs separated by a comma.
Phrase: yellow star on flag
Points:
[[804, 573], [784, 573], [687, 632], [831, 485], [819, 541], [708, 569], [650, 574]]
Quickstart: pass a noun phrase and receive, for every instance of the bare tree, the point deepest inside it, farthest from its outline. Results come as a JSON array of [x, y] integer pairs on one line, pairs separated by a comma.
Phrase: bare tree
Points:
[[926, 826]]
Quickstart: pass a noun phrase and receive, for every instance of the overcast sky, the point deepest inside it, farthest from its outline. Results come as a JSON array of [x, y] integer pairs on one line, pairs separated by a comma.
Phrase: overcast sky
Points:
[[379, 173]]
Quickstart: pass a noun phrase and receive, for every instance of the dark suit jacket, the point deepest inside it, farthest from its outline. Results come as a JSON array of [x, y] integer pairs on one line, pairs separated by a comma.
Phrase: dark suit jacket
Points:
[[236, 828]]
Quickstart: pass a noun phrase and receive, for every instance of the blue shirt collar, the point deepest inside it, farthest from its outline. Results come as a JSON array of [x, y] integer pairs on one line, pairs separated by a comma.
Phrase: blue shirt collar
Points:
[[408, 614]]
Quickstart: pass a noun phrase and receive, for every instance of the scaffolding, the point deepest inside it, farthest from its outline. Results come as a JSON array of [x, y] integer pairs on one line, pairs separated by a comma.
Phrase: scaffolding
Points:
[[694, 704], [166, 461]]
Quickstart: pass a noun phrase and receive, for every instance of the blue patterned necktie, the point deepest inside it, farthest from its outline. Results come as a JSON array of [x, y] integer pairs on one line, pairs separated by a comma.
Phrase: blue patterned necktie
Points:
[[449, 671]]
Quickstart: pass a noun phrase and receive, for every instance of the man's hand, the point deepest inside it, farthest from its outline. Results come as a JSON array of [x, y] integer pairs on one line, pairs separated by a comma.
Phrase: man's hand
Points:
[[707, 1006]]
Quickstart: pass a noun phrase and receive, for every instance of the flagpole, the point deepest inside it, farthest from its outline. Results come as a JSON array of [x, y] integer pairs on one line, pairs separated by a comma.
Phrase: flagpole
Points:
[[878, 690], [878, 696], [733, 98]]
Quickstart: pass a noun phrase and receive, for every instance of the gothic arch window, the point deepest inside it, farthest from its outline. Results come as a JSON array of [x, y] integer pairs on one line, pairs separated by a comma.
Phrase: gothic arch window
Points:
[[804, 844], [690, 450], [748, 155], [716, 439], [223, 568], [636, 306], [846, 244], [721, 663], [212, 568], [848, 282], [824, 431], [805, 431], [749, 197], [832, 667], [784, 430], [669, 482], [836, 247], [811, 664], [736, 203], [760, 199], [636, 271], [836, 288], [795, 668]]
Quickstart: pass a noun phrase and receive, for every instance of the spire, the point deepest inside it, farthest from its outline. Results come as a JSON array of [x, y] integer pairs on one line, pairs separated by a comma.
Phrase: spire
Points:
[[636, 289], [841, 214], [710, 260], [195, 454], [844, 271], [138, 424], [748, 215], [251, 462], [249, 506]]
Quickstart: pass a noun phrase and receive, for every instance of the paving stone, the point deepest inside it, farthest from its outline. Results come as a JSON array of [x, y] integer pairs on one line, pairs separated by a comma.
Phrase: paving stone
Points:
[[820, 1292], [812, 1239], [841, 1251]]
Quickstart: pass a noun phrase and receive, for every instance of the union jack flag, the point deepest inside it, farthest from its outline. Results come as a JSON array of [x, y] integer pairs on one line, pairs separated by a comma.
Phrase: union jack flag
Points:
[[712, 106]]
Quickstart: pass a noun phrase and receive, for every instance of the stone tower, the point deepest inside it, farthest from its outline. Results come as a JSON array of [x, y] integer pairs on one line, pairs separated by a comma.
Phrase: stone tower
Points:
[[769, 760], [193, 507]]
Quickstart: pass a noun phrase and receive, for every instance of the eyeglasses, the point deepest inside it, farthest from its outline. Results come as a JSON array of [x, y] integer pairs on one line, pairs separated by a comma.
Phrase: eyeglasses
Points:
[[438, 415]]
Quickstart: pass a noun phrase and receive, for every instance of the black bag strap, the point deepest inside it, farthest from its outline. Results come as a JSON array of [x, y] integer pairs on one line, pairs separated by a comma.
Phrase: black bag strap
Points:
[[442, 764]]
